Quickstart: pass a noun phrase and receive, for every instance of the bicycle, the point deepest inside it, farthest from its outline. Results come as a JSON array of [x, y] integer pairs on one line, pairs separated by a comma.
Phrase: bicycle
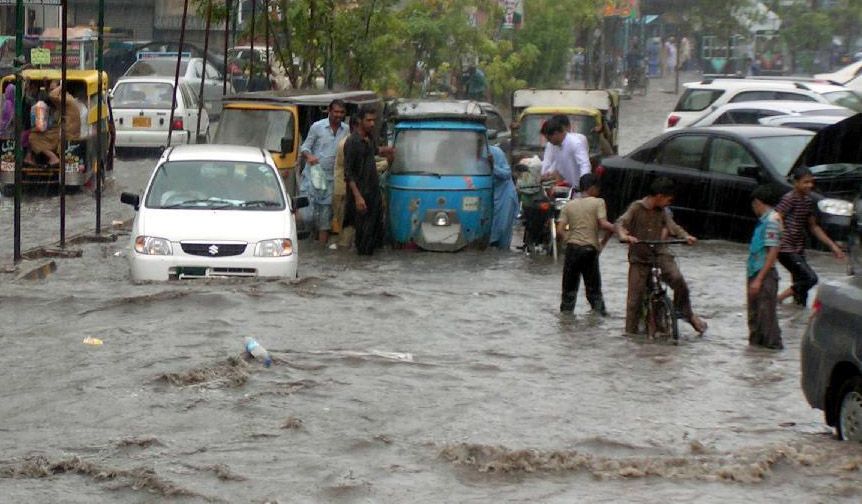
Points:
[[657, 312]]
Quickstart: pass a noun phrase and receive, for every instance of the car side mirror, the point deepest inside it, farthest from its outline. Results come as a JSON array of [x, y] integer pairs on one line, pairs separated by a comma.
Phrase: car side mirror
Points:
[[300, 202], [130, 199], [750, 172], [286, 145], [492, 134]]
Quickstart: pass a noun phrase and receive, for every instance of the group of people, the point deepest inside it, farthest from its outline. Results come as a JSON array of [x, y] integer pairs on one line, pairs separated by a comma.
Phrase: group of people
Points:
[[41, 120], [779, 237]]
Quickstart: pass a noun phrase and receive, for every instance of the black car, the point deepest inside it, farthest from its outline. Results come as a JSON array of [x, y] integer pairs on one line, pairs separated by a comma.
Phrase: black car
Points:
[[831, 361], [715, 169]]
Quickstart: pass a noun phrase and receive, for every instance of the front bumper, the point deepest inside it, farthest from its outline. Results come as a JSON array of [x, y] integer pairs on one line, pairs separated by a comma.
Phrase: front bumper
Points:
[[181, 266]]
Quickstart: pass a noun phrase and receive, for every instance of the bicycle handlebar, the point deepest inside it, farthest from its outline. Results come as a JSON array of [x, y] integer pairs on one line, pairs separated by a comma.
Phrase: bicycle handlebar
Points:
[[675, 241]]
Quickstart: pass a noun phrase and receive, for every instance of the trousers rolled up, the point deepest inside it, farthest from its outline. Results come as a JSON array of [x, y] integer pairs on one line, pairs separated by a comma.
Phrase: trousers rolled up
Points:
[[763, 327], [670, 275], [804, 278], [582, 261]]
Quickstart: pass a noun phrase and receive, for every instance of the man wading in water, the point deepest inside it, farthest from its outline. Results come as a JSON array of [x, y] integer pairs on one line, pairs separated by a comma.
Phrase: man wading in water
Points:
[[364, 200]]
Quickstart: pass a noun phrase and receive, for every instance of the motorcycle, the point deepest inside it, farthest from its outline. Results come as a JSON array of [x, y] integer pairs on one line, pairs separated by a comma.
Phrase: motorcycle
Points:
[[541, 204]]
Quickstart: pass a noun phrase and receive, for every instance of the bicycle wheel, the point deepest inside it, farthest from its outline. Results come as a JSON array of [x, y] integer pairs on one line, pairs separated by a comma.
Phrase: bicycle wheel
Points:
[[661, 320]]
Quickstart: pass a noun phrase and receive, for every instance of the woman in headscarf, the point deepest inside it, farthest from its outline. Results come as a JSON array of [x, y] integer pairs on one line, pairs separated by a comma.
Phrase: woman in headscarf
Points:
[[48, 142], [505, 201], [7, 120]]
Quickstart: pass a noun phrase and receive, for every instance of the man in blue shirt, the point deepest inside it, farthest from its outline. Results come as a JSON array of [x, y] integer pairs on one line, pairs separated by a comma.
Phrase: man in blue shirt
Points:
[[319, 150], [763, 327]]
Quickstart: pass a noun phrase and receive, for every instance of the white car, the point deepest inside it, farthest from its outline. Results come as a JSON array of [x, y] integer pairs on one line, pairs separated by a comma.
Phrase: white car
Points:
[[842, 75], [699, 96], [213, 211], [751, 112], [142, 113], [807, 122], [191, 71]]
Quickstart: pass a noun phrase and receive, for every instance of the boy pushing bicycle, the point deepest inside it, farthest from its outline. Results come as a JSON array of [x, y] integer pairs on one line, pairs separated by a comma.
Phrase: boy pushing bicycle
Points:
[[650, 219]]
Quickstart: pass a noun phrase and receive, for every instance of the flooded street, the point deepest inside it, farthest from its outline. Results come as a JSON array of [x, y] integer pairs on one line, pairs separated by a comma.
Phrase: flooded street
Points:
[[405, 377]]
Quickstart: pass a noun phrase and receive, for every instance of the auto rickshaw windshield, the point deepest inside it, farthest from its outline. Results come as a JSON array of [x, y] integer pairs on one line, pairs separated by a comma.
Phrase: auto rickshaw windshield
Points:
[[531, 126], [441, 152], [255, 127]]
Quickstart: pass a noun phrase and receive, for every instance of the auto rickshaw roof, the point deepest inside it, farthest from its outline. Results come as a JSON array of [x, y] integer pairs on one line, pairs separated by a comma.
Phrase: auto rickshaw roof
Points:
[[441, 125], [593, 112], [90, 77], [602, 99], [309, 97], [418, 110]]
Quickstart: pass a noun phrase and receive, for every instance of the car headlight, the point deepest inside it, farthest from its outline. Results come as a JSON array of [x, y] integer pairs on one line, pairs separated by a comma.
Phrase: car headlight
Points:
[[279, 247], [835, 207], [441, 219], [152, 246]]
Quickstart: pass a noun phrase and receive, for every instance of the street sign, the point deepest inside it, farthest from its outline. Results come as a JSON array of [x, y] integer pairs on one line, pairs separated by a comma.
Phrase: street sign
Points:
[[32, 2], [40, 56]]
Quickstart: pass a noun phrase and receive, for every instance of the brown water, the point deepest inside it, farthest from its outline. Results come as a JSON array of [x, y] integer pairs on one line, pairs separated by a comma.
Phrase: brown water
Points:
[[406, 377]]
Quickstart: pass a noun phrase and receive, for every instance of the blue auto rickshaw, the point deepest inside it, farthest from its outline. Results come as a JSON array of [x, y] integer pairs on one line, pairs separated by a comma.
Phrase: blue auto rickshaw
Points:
[[439, 188]]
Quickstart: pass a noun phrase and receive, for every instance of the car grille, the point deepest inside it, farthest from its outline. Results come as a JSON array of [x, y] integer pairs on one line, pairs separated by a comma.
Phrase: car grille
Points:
[[214, 249]]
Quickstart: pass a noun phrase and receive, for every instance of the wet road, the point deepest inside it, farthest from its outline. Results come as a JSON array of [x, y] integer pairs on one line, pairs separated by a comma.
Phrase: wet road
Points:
[[407, 377]]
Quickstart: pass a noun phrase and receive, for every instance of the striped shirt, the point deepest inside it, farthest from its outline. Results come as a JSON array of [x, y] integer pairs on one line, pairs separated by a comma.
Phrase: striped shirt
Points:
[[795, 209]]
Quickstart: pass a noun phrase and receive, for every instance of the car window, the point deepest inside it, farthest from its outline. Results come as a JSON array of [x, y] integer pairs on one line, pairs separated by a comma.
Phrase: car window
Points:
[[197, 69], [142, 95], [847, 99], [791, 96], [748, 116], [684, 151], [190, 99], [212, 73], [781, 151], [753, 96], [727, 156], [695, 100], [495, 122]]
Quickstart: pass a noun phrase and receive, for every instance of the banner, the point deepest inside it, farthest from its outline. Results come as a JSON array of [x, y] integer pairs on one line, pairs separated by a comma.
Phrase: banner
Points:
[[513, 13], [622, 8]]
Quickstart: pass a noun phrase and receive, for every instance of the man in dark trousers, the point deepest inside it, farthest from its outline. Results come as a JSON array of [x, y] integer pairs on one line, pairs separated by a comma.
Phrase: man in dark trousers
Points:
[[580, 222], [364, 200]]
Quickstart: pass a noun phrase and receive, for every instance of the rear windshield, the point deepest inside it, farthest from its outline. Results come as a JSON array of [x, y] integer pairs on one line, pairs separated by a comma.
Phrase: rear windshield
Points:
[[782, 151], [156, 67], [695, 100], [257, 128], [142, 95], [847, 99]]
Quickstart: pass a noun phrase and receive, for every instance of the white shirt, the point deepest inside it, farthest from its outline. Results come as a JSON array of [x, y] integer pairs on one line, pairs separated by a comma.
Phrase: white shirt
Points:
[[571, 159]]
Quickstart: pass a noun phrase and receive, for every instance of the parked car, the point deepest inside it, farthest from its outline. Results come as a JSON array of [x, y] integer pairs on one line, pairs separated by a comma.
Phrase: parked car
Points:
[[831, 363], [842, 75], [807, 122], [142, 113], [191, 70], [752, 112], [213, 211], [699, 96], [715, 169]]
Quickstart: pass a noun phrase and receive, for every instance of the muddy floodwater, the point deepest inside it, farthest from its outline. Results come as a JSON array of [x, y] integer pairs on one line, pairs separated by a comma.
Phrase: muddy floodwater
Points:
[[406, 377]]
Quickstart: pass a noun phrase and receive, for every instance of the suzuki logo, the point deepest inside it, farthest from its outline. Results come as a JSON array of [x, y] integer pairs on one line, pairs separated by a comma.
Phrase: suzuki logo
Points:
[[213, 250]]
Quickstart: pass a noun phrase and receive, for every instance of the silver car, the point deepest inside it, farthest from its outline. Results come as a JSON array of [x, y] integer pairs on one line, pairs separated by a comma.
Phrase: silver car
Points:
[[191, 71]]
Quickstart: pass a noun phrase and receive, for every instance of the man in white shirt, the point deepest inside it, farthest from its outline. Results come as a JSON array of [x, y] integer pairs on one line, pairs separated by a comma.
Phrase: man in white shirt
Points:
[[567, 155]]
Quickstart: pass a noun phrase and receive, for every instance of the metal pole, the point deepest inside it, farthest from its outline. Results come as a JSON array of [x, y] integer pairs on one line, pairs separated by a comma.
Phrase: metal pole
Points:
[[63, 37], [204, 73], [278, 48], [19, 113], [266, 29], [226, 39], [100, 64], [251, 51], [177, 71]]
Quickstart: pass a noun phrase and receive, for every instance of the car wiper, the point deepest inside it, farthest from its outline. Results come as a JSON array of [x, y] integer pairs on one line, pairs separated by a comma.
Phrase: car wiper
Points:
[[262, 203], [221, 203]]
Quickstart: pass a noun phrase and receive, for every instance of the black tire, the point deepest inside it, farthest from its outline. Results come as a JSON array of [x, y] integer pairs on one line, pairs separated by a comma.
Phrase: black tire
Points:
[[849, 426], [661, 321]]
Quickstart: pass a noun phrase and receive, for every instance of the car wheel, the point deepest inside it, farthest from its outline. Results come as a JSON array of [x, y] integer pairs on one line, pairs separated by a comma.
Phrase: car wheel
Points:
[[850, 410]]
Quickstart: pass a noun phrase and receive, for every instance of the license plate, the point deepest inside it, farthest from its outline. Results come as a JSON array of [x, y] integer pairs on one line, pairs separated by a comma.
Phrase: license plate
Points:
[[470, 204], [141, 122]]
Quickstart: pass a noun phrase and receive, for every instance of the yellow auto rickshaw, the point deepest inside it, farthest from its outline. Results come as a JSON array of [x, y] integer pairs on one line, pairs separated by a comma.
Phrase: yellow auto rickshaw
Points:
[[83, 156], [278, 120]]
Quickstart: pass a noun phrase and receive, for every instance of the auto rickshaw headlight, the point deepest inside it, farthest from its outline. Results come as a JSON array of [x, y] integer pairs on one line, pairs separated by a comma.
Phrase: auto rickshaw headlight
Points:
[[274, 248], [152, 246], [441, 219]]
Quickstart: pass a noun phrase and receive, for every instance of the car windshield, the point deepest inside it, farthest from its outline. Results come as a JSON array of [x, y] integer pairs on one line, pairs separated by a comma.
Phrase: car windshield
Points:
[[142, 95], [228, 185], [836, 169], [441, 152], [156, 67], [254, 127], [847, 99], [782, 151], [530, 133]]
